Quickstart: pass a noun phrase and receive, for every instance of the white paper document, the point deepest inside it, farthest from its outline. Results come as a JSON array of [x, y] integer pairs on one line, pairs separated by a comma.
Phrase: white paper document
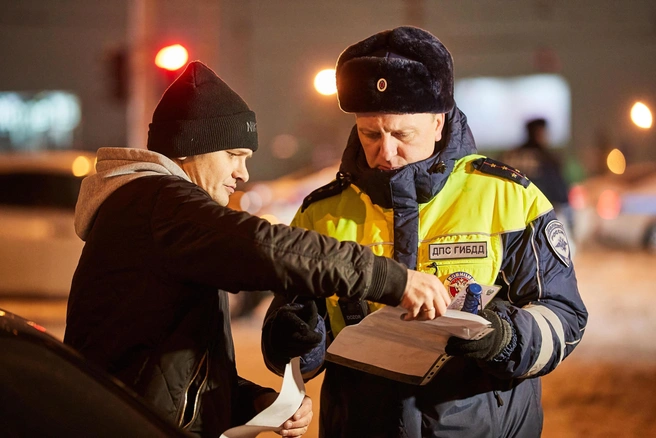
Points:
[[407, 351], [272, 418]]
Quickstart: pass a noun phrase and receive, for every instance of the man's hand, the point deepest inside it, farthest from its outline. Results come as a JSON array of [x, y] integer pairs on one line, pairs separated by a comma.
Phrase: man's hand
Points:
[[425, 297], [298, 424]]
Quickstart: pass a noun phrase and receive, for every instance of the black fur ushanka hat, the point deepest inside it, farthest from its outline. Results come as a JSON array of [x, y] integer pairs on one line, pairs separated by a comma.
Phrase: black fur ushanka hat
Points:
[[405, 70]]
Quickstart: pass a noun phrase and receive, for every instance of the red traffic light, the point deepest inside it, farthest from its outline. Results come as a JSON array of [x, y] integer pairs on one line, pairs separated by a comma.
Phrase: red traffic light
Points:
[[172, 58]]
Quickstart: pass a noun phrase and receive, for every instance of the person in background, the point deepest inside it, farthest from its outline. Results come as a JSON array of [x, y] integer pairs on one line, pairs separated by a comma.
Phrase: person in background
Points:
[[543, 168], [412, 187], [148, 301]]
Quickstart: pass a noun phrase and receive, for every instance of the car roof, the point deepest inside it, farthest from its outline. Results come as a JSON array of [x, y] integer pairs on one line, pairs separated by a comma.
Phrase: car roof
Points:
[[56, 392], [634, 175], [50, 161]]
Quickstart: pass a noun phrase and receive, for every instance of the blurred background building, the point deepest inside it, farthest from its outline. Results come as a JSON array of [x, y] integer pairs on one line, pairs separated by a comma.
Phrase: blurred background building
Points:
[[81, 75], [78, 75]]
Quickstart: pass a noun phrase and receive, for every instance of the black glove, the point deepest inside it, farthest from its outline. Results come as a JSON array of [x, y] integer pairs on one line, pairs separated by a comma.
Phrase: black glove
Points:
[[291, 329], [489, 346]]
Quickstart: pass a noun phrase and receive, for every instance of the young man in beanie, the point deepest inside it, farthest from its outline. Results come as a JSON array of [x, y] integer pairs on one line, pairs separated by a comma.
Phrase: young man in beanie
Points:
[[147, 301], [412, 188]]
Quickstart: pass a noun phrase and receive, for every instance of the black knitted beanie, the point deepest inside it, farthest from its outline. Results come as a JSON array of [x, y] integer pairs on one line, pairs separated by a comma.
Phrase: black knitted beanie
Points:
[[403, 70], [198, 114]]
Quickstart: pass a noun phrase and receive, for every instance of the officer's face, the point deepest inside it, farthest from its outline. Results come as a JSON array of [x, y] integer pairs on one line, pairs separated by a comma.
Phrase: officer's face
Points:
[[391, 141], [218, 172]]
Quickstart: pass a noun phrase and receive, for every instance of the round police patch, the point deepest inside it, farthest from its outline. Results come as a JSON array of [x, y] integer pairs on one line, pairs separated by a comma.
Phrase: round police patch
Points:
[[381, 85], [458, 281], [555, 232]]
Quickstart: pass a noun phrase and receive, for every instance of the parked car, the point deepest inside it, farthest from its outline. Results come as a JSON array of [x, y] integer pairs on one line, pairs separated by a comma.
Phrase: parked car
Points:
[[47, 389], [618, 210], [39, 249]]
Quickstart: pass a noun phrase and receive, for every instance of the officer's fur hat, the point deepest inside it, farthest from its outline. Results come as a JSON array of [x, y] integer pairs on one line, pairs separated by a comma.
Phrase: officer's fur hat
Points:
[[404, 70]]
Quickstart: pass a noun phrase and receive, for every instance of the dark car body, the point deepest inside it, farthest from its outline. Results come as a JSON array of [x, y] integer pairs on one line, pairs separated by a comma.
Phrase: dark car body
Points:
[[48, 390]]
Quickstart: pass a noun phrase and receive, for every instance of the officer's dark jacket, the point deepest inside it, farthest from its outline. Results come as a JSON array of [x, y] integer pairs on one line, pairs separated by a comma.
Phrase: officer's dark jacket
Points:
[[144, 303], [506, 234]]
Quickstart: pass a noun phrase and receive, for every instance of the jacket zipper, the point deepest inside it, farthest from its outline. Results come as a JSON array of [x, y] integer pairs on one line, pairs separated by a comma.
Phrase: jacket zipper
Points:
[[199, 368], [498, 397]]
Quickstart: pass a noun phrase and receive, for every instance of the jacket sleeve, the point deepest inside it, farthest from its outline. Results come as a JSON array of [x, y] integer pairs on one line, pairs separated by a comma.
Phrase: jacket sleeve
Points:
[[247, 393], [541, 300], [200, 241]]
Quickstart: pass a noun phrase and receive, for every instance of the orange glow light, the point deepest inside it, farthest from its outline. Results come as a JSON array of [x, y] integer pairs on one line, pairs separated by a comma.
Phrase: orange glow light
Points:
[[324, 82], [172, 57], [641, 115], [81, 166], [616, 162]]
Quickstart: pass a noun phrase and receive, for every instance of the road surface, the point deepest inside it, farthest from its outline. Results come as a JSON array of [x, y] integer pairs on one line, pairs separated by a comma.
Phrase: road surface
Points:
[[603, 389]]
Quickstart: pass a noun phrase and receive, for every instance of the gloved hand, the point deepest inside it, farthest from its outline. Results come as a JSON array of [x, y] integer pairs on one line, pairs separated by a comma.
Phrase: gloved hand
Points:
[[489, 346], [291, 329]]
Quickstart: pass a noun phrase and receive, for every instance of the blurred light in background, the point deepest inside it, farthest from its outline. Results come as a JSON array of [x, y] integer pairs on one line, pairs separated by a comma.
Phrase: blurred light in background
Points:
[[250, 202], [577, 197], [284, 146], [172, 57], [491, 103], [81, 166], [641, 115], [324, 82], [271, 218], [616, 162], [609, 204], [265, 193], [33, 121]]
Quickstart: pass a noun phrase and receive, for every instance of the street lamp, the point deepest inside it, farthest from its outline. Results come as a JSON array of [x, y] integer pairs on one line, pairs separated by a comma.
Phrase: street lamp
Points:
[[641, 115], [616, 162], [324, 82]]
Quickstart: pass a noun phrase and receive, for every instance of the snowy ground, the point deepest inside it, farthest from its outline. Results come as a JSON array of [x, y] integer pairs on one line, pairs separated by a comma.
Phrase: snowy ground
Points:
[[604, 389]]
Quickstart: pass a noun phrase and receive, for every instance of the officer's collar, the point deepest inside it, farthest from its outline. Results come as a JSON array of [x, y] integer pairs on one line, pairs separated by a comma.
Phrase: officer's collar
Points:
[[414, 183]]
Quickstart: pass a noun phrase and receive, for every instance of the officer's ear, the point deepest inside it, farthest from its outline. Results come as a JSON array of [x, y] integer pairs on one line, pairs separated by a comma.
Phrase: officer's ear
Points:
[[439, 119]]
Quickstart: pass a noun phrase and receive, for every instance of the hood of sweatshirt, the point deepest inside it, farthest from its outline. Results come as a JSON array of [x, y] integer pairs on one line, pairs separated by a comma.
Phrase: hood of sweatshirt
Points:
[[116, 167]]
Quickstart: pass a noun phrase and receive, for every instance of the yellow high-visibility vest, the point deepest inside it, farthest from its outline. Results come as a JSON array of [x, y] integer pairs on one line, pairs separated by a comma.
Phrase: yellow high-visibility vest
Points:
[[460, 229]]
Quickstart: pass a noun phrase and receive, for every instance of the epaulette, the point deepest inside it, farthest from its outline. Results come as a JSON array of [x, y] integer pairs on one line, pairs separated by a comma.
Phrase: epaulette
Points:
[[341, 182], [497, 168]]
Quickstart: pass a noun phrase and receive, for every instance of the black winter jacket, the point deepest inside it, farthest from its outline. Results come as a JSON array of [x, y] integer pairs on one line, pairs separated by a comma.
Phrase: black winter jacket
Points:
[[147, 301], [538, 296]]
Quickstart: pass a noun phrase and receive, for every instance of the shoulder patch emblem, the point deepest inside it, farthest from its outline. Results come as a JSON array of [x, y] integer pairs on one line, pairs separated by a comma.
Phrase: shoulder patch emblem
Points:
[[497, 168], [555, 232]]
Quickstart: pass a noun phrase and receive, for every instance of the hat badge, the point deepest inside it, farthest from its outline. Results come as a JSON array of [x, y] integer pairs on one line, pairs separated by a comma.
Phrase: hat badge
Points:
[[381, 84]]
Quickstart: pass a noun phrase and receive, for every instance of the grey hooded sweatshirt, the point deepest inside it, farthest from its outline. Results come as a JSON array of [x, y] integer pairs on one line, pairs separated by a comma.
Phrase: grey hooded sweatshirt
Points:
[[148, 300]]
